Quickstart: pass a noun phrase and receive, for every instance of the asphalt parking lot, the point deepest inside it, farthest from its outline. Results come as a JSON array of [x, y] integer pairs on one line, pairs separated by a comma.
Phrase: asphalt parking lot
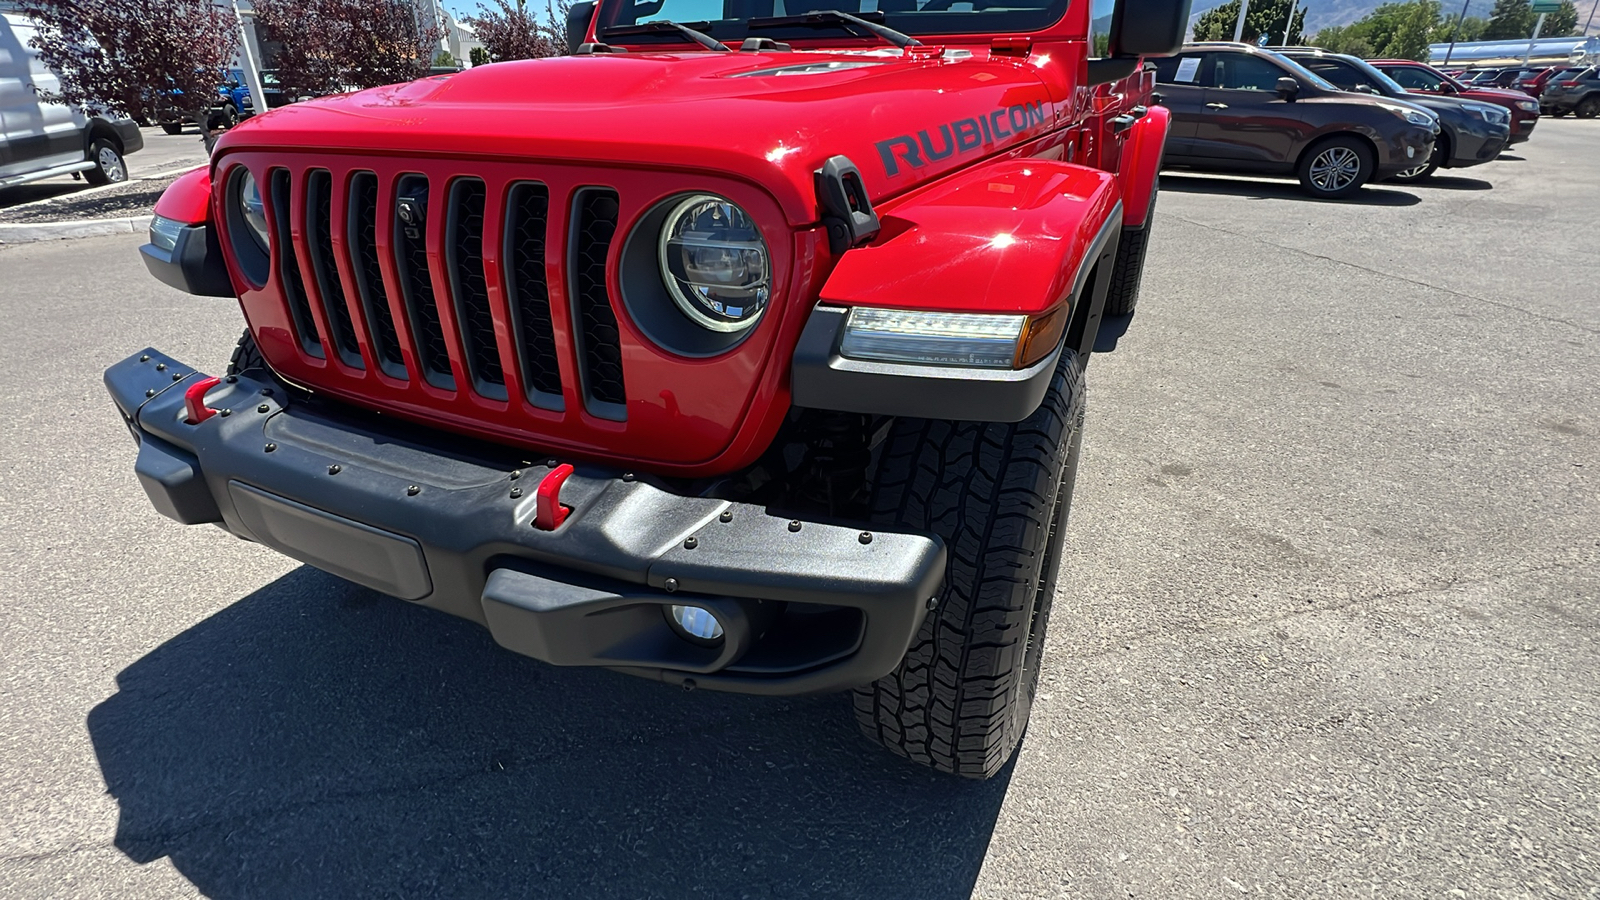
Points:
[[1329, 625]]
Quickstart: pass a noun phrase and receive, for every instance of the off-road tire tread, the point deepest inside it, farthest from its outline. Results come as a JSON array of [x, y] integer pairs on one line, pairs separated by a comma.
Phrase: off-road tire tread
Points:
[[246, 356], [959, 699]]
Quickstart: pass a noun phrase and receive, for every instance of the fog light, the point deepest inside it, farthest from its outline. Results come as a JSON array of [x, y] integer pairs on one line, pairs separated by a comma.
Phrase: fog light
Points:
[[695, 623], [931, 338]]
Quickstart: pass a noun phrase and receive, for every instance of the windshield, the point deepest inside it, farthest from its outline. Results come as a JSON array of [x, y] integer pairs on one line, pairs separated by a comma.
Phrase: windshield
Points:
[[1306, 74], [1376, 74], [728, 20]]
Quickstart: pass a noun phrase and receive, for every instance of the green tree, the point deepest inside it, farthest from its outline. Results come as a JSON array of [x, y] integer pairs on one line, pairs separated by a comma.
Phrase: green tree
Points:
[[1265, 17], [1392, 30], [1563, 21], [1412, 23], [444, 60], [479, 57], [1469, 29], [1510, 19], [1344, 39]]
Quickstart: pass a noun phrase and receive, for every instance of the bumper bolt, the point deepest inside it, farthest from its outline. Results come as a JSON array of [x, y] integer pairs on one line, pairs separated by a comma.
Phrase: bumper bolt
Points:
[[271, 447], [515, 493], [177, 376], [866, 537], [266, 392], [671, 584], [150, 393], [225, 413], [794, 524], [413, 490], [263, 408], [334, 469], [144, 358], [627, 477], [515, 475], [161, 367], [933, 603], [691, 543], [551, 463], [727, 516], [232, 379]]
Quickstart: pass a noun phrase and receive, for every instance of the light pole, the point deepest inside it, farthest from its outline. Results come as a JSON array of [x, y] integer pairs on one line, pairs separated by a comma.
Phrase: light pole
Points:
[[1591, 18], [1238, 27], [1537, 27], [1457, 30], [1289, 25]]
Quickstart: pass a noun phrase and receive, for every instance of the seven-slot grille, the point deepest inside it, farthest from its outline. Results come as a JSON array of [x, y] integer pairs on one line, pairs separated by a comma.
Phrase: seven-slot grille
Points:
[[323, 316]]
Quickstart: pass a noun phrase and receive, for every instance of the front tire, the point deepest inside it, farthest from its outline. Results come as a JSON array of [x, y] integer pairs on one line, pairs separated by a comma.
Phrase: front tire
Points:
[[109, 166], [172, 127], [1441, 148], [246, 356], [1336, 168], [1128, 270], [998, 495], [1589, 108]]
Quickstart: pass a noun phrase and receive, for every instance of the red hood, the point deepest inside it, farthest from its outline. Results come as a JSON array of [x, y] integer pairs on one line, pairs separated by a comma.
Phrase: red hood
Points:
[[693, 111]]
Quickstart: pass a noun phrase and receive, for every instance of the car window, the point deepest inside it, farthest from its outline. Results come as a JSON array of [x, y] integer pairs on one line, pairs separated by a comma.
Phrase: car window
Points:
[[731, 18], [1246, 72], [1185, 69], [1343, 76], [1412, 78]]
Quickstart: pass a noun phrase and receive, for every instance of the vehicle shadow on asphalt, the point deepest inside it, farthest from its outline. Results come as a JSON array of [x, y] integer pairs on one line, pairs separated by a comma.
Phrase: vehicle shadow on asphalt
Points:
[[315, 739], [1456, 183], [1371, 195]]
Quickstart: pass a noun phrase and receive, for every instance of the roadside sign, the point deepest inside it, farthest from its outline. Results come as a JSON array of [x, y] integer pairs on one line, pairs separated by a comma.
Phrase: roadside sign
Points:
[[1546, 6]]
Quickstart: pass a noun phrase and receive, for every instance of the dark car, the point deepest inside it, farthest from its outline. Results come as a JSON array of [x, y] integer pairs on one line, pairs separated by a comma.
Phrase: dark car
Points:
[[1236, 107], [1472, 133], [1417, 78], [1532, 81], [1573, 93]]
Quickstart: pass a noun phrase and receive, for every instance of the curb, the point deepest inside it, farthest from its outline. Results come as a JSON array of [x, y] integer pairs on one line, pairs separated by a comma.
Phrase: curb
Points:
[[59, 231]]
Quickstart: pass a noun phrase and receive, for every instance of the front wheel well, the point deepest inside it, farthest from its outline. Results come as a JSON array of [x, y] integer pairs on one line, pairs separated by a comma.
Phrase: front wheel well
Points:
[[99, 129], [1315, 145]]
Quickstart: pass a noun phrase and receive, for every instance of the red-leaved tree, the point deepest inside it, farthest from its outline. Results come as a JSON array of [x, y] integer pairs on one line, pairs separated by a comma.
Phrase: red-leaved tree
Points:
[[143, 58], [510, 31], [330, 46]]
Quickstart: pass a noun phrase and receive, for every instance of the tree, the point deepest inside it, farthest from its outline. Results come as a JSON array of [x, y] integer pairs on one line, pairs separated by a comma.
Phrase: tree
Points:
[[444, 60], [1400, 30], [1412, 23], [1510, 19], [145, 58], [1450, 29], [1265, 17], [510, 31], [1344, 39], [338, 45], [480, 57], [1563, 21]]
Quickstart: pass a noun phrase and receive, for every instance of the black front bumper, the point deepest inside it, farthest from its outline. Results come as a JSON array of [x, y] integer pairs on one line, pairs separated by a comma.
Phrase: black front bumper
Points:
[[811, 608]]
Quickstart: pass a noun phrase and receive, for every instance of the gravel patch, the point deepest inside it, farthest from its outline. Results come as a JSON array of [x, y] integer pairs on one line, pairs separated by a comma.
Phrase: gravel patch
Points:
[[131, 198]]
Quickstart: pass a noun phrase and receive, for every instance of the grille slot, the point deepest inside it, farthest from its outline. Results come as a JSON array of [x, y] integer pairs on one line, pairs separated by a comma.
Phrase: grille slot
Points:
[[527, 218], [294, 285], [600, 347], [416, 282], [319, 229], [467, 282], [362, 223]]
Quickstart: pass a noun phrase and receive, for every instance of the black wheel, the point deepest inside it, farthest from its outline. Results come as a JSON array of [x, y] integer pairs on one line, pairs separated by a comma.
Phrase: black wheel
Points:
[[172, 127], [1589, 108], [109, 167], [1336, 167], [246, 356], [998, 494], [1441, 152], [229, 117], [1128, 270]]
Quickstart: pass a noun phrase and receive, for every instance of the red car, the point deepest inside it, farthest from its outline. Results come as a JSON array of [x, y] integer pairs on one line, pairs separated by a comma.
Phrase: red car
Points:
[[743, 354], [1424, 79]]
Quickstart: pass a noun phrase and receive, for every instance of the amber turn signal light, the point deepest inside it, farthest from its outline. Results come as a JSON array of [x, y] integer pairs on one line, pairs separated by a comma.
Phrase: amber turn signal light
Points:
[[1040, 336]]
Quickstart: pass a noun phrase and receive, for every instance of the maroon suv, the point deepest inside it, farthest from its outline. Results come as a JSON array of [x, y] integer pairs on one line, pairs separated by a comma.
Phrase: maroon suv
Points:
[[1423, 79]]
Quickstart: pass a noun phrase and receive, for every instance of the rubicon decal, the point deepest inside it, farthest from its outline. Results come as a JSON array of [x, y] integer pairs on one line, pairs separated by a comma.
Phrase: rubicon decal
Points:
[[960, 136]]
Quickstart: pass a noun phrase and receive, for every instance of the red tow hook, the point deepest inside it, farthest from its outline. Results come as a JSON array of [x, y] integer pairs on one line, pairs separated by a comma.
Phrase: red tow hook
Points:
[[194, 401], [548, 513]]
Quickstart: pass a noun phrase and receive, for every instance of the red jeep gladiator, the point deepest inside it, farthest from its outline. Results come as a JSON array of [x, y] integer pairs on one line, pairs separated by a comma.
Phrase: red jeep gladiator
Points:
[[742, 353]]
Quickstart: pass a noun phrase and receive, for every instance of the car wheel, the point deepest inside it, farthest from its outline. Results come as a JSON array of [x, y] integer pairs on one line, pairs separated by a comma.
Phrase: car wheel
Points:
[[246, 356], [1441, 152], [1128, 270], [1336, 167], [998, 495], [1589, 108], [109, 167], [172, 127], [230, 116]]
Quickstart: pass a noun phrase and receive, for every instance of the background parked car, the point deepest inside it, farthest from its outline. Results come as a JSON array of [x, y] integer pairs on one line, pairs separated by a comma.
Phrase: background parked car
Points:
[[1533, 82], [232, 103], [42, 140], [1236, 107], [1423, 79], [1575, 93], [1473, 132]]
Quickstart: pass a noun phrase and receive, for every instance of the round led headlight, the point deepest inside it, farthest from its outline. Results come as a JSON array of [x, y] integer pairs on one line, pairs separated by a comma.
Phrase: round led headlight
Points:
[[253, 210], [715, 264]]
